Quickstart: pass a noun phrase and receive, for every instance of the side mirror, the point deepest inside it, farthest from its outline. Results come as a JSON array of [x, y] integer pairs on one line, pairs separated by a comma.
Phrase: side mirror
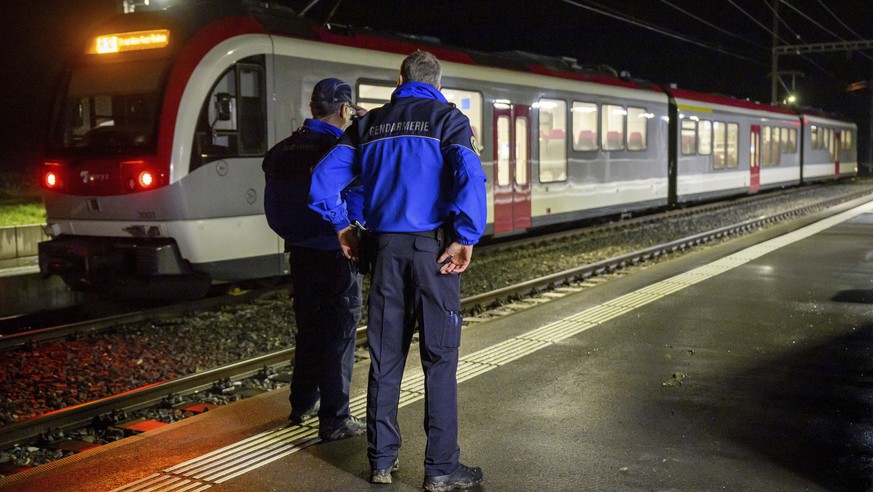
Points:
[[222, 106]]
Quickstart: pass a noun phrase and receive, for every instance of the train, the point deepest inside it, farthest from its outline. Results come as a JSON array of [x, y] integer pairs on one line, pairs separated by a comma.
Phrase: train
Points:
[[153, 185]]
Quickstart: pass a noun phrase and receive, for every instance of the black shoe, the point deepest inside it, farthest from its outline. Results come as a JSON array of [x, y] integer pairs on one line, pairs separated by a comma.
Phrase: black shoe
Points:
[[463, 477], [298, 418], [383, 475], [350, 427]]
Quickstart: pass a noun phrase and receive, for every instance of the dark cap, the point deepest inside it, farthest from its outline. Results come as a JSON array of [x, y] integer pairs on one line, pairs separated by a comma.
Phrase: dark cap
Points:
[[332, 90]]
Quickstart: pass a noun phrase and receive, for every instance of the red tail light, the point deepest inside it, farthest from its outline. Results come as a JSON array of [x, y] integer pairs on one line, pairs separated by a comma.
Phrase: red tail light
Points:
[[141, 176], [146, 180], [51, 178]]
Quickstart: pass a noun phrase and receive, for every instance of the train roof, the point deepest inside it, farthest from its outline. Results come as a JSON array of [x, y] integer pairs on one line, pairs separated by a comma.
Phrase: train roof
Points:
[[727, 101], [187, 19]]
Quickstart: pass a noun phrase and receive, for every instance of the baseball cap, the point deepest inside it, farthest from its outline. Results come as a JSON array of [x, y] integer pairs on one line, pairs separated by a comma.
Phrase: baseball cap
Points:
[[332, 90]]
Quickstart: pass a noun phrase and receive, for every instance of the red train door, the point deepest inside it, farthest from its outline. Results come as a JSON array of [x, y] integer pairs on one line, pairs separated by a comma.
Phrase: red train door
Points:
[[755, 160], [511, 167], [837, 154]]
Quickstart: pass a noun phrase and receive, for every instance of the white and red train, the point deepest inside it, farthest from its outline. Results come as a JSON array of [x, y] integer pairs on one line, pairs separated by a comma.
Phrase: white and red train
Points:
[[154, 186]]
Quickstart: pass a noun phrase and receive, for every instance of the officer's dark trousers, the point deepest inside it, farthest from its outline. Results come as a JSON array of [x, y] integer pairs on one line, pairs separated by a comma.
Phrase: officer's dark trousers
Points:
[[327, 309], [407, 291]]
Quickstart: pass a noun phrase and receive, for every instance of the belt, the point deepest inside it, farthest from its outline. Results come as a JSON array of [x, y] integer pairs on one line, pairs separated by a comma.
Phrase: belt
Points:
[[434, 234]]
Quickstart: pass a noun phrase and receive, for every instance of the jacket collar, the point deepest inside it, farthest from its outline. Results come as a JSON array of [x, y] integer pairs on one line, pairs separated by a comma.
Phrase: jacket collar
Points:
[[320, 126], [418, 89]]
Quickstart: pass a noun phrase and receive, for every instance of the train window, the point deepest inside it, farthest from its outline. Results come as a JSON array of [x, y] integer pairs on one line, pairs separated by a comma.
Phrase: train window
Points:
[[775, 148], [791, 141], [232, 118], [470, 103], [832, 148], [766, 142], [689, 136], [552, 139], [612, 120], [503, 151], [815, 138], [846, 140], [719, 149], [522, 152], [637, 121], [584, 126], [373, 96], [110, 108], [733, 145], [704, 137]]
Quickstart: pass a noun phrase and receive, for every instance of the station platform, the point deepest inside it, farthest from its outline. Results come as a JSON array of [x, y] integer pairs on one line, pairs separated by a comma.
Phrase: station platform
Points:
[[744, 365]]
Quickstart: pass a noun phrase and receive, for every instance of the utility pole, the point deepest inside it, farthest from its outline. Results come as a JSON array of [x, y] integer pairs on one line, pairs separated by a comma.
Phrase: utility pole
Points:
[[774, 74], [857, 86]]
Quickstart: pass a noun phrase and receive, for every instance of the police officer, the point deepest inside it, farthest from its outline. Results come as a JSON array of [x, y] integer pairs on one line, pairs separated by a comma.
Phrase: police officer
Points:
[[424, 192], [327, 286]]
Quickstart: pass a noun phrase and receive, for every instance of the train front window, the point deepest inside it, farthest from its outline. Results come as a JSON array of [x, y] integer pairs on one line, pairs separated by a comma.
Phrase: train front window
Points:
[[232, 121], [110, 108]]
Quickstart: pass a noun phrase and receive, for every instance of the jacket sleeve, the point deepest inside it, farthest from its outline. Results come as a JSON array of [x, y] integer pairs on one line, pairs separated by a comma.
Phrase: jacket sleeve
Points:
[[353, 195], [461, 151], [470, 207], [330, 176]]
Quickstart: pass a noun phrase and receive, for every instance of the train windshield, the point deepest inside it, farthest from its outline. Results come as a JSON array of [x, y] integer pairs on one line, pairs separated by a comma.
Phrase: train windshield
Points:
[[111, 108]]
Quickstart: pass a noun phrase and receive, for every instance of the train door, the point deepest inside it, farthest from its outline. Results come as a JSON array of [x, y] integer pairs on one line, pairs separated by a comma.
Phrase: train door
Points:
[[755, 160], [836, 154], [511, 167]]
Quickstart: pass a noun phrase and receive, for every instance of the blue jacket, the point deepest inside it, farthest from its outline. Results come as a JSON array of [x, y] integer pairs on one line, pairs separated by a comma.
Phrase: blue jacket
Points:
[[287, 171], [418, 163]]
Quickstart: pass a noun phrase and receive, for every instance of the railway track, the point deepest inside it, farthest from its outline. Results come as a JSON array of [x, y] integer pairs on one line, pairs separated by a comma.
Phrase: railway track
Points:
[[479, 307]]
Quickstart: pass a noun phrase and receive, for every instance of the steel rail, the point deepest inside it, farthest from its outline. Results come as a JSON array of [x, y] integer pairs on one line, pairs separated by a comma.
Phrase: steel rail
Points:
[[25, 338]]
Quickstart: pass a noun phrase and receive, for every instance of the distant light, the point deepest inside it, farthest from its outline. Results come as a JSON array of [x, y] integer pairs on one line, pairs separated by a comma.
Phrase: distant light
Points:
[[131, 41]]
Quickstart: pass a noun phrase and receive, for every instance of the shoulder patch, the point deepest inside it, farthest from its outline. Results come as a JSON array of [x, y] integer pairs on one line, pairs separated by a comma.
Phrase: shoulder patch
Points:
[[475, 145]]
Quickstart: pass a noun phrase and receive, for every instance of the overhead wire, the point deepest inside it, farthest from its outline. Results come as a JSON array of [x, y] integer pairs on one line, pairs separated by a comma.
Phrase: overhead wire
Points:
[[813, 21], [835, 16], [776, 35], [709, 24], [600, 9]]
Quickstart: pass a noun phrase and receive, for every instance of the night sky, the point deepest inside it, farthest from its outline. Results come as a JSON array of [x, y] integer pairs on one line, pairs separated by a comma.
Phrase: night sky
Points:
[[720, 46]]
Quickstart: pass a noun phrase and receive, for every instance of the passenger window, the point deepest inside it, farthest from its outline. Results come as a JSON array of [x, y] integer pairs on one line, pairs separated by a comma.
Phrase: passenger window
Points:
[[637, 121], [689, 137], [733, 145], [470, 103], [612, 127], [584, 126], [552, 139], [232, 119], [718, 143], [372, 96], [522, 153], [765, 145], [704, 137], [503, 151], [775, 152]]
